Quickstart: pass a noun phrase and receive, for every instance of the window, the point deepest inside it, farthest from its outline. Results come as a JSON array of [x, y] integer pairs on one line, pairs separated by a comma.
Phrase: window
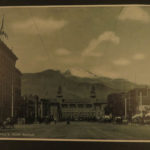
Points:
[[64, 105], [88, 105], [80, 105], [72, 105]]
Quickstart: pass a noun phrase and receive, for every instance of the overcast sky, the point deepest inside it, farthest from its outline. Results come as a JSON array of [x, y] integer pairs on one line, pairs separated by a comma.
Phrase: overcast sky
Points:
[[108, 41]]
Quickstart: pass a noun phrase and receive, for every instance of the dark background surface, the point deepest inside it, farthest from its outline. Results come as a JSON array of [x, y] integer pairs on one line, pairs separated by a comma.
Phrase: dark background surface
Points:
[[69, 2], [36, 145], [51, 145]]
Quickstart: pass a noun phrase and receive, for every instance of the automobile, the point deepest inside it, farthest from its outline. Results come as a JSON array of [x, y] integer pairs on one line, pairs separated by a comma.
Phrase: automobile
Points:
[[147, 118], [118, 119], [107, 118], [137, 118], [125, 121]]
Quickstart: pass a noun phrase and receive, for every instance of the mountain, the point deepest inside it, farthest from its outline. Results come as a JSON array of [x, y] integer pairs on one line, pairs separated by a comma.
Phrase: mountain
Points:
[[45, 84], [80, 73]]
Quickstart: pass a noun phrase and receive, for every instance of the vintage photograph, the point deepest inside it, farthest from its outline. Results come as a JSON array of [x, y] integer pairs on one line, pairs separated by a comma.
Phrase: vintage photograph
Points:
[[75, 72]]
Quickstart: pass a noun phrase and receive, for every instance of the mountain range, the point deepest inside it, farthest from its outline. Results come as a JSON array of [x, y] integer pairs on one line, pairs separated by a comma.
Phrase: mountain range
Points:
[[45, 84]]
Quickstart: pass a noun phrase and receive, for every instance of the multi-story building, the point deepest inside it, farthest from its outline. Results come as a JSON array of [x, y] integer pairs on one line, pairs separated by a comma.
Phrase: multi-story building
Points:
[[139, 99], [29, 108], [63, 109], [130, 103], [10, 82], [116, 104], [77, 109]]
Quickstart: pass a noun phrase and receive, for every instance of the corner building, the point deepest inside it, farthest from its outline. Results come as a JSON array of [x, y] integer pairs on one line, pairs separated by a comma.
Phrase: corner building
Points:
[[10, 83]]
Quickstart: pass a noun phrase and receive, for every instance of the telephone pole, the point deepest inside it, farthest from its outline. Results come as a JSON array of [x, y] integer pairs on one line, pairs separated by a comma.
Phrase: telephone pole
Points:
[[12, 104], [125, 108], [141, 102]]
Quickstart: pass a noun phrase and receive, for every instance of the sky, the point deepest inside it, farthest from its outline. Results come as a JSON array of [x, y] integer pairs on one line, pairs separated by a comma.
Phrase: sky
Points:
[[110, 41]]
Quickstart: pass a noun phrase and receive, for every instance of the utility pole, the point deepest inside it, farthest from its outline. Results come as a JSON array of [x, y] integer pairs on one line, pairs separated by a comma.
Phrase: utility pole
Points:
[[35, 103], [125, 108], [41, 109], [12, 99], [141, 101]]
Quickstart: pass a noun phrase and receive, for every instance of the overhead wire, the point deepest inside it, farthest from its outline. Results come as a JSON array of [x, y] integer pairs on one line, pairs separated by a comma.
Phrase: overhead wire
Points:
[[38, 33]]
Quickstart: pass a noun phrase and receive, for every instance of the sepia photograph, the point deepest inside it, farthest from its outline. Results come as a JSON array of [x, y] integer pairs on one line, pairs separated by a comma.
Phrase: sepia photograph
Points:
[[75, 72]]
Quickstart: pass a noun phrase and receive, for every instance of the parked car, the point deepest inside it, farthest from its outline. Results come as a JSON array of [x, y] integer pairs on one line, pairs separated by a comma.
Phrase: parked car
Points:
[[118, 119], [147, 118], [137, 118], [107, 118]]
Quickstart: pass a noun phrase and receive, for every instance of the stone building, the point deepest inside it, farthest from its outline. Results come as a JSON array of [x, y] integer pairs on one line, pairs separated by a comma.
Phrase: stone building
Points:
[[63, 109], [77, 109], [10, 82]]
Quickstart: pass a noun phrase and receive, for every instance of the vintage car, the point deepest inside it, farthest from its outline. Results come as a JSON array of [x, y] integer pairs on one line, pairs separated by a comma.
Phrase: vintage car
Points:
[[106, 118], [147, 118], [118, 119], [137, 118]]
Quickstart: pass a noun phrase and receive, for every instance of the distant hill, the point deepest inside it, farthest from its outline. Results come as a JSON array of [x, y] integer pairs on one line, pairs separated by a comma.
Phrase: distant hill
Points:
[[45, 84]]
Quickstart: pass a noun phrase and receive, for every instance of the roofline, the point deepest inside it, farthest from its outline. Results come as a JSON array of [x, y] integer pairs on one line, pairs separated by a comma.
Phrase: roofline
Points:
[[18, 71], [6, 48]]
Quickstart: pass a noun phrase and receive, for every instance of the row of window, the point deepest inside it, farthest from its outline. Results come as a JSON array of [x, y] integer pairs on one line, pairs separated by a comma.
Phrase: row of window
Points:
[[79, 113], [77, 105]]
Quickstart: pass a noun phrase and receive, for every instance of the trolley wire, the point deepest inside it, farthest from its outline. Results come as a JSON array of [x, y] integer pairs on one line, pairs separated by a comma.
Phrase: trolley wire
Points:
[[38, 33]]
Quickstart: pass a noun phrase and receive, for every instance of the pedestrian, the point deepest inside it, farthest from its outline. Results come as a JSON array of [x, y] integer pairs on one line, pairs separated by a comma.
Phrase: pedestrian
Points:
[[55, 121], [68, 121]]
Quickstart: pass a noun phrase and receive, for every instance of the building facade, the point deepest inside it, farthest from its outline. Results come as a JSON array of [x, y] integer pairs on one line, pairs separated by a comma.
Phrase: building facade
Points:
[[129, 103], [10, 82], [77, 109], [64, 109], [116, 104], [139, 99]]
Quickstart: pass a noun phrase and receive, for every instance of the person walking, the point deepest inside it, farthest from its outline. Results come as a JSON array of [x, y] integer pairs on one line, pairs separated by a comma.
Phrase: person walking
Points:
[[68, 121]]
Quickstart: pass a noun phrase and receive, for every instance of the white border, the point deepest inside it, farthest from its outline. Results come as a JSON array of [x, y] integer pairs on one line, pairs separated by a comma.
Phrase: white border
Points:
[[76, 6], [74, 140]]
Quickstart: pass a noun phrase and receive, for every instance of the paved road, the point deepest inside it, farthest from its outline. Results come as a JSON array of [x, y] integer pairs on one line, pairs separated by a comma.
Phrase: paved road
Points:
[[80, 130]]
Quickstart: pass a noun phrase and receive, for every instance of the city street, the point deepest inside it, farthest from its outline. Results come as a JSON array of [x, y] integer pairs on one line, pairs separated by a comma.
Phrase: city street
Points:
[[80, 130]]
